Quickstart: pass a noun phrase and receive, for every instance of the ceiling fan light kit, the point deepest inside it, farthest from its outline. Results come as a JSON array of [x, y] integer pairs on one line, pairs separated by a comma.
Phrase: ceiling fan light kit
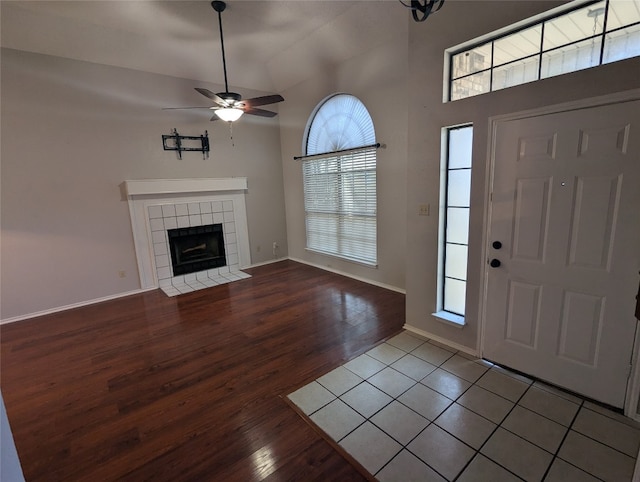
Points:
[[229, 114]]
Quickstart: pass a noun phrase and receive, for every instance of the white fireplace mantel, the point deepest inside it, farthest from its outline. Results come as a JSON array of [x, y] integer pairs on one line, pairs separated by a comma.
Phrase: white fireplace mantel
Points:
[[144, 193], [184, 186]]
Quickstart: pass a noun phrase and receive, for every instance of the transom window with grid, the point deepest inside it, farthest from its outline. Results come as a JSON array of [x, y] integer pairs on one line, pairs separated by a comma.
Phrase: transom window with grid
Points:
[[339, 178], [576, 36]]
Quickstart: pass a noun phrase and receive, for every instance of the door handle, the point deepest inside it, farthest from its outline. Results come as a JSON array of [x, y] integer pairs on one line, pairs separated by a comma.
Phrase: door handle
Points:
[[495, 263]]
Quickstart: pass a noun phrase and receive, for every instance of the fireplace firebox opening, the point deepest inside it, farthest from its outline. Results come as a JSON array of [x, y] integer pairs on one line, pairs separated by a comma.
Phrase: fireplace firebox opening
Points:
[[196, 248]]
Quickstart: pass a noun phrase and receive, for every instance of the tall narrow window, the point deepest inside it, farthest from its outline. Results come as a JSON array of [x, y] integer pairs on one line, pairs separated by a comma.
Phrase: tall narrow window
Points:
[[455, 196], [339, 176]]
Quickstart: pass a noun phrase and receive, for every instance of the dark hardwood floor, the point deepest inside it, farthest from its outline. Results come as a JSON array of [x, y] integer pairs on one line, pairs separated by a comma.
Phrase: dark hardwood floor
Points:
[[189, 388]]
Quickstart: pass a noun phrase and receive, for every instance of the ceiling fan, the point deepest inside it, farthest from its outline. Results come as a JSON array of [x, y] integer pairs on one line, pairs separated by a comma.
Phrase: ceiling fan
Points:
[[229, 105]]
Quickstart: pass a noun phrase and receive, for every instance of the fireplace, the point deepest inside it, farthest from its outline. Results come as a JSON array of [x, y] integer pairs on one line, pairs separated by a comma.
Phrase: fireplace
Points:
[[158, 206], [197, 248]]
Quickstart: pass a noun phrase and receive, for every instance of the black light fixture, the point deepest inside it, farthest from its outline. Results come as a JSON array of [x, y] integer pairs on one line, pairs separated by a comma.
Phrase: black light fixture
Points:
[[421, 9]]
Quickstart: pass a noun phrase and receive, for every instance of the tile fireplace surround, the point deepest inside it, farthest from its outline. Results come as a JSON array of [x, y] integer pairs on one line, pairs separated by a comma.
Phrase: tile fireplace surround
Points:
[[157, 205]]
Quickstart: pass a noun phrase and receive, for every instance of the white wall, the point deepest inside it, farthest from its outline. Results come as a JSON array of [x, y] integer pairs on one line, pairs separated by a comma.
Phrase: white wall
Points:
[[458, 22], [379, 79], [71, 133]]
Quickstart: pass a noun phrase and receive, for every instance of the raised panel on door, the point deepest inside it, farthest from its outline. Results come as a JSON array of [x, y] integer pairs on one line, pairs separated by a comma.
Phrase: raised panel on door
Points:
[[522, 314], [592, 225], [600, 143], [531, 219], [580, 328]]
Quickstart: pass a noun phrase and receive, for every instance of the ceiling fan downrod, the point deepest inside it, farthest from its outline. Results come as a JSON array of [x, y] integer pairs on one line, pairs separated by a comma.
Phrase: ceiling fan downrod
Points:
[[219, 7]]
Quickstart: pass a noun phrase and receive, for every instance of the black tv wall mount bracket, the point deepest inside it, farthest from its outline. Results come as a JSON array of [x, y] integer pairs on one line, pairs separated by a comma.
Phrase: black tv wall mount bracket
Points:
[[176, 142]]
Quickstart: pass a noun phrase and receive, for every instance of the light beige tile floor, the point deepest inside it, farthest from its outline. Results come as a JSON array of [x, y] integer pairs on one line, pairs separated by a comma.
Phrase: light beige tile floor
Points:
[[412, 409]]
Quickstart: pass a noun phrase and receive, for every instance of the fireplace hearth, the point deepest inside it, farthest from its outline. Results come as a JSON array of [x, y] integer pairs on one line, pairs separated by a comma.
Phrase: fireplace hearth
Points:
[[197, 248]]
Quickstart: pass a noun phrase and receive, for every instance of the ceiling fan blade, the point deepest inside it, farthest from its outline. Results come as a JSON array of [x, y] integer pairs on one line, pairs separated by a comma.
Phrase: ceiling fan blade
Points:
[[264, 100], [207, 93], [260, 112]]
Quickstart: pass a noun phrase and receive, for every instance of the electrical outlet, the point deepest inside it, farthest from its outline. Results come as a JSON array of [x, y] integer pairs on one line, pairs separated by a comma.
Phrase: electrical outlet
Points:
[[424, 209]]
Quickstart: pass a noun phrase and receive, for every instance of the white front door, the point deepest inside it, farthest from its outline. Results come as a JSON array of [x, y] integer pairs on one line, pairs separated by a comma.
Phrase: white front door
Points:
[[566, 209]]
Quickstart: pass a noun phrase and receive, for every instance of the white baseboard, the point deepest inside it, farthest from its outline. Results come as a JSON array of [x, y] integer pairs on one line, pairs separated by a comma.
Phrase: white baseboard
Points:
[[74, 305], [134, 292], [100, 300], [349, 275], [444, 341], [264, 263]]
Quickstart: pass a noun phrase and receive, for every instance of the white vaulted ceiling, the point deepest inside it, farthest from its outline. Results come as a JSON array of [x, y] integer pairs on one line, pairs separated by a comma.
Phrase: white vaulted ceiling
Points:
[[270, 45]]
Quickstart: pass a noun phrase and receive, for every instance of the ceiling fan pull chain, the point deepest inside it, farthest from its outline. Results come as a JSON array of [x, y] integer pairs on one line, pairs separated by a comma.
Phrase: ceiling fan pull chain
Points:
[[231, 133]]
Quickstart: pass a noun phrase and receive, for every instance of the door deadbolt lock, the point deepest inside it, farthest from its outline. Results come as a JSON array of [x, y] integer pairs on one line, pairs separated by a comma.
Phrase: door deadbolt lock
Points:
[[496, 245]]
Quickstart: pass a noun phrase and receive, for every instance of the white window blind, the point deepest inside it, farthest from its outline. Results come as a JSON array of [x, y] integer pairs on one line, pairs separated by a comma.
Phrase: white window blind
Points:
[[340, 204], [340, 187]]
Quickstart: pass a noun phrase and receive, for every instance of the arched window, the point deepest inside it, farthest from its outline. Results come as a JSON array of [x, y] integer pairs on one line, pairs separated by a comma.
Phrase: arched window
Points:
[[339, 175]]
